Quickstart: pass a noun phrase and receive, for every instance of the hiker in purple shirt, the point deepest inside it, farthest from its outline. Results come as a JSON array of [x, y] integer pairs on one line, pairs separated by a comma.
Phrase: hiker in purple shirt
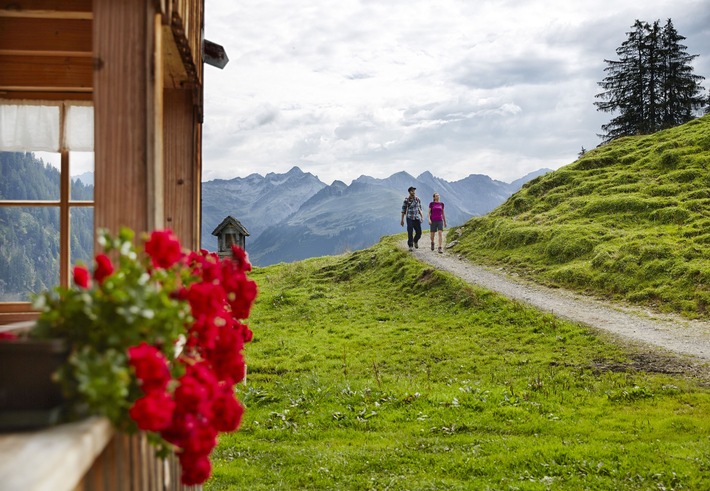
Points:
[[437, 220], [412, 209]]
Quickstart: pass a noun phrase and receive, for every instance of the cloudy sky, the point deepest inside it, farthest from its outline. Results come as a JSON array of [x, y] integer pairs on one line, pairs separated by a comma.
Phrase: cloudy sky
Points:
[[456, 87]]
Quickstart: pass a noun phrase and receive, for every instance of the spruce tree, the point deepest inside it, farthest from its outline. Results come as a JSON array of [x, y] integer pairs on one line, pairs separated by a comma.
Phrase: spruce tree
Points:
[[681, 88], [652, 85]]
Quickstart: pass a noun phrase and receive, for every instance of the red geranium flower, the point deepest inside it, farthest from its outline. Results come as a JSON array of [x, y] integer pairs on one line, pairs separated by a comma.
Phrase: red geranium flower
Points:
[[153, 412], [196, 469], [203, 333], [104, 268], [241, 302], [192, 395], [81, 277], [239, 256], [151, 367], [241, 291], [227, 411], [163, 248], [227, 358], [201, 440], [182, 425], [206, 299]]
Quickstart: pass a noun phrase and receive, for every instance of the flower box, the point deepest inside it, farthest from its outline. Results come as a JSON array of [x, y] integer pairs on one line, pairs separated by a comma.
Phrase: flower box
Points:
[[29, 398], [157, 344]]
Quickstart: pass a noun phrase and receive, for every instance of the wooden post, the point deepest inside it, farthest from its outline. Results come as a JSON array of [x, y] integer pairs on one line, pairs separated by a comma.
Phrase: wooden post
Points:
[[123, 51], [181, 170]]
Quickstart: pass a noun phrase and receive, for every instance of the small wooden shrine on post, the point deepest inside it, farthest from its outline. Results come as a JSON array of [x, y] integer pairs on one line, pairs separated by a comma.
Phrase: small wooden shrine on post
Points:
[[230, 232]]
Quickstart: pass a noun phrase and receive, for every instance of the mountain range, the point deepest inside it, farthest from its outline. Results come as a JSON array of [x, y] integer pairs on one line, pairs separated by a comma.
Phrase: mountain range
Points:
[[295, 216]]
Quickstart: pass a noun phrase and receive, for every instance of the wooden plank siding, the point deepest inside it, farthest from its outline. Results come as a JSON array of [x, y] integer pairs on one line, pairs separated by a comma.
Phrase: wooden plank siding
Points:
[[158, 161], [42, 35], [45, 49], [56, 8], [65, 73], [123, 49], [182, 174]]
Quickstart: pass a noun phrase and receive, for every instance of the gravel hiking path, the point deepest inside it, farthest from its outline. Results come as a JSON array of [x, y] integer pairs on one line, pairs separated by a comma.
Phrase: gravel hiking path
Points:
[[665, 336]]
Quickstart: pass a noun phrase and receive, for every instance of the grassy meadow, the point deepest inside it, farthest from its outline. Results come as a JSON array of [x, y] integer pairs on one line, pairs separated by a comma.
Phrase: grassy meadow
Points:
[[372, 371], [629, 221]]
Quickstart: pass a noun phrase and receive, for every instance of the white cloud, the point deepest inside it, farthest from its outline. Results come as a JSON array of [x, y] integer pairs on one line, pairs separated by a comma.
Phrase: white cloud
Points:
[[454, 87]]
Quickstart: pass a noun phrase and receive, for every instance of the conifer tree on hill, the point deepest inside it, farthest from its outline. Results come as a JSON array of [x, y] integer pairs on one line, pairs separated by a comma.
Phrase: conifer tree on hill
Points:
[[652, 85]]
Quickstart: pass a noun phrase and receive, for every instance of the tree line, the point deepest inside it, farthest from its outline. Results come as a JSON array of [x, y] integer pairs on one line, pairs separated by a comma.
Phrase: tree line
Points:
[[652, 85]]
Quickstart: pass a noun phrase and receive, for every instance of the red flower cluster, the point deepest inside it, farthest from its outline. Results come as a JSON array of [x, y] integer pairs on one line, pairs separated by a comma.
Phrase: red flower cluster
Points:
[[203, 402], [82, 278], [104, 268], [163, 248]]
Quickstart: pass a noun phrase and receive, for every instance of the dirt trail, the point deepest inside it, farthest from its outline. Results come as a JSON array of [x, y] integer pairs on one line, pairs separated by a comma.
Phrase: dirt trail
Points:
[[634, 325]]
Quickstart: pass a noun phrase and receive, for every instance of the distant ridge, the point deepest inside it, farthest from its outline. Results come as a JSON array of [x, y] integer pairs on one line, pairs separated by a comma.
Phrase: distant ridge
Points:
[[294, 216], [87, 178]]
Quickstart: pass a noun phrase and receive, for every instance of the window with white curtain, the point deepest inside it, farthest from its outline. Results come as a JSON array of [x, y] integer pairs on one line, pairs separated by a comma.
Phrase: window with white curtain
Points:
[[46, 195]]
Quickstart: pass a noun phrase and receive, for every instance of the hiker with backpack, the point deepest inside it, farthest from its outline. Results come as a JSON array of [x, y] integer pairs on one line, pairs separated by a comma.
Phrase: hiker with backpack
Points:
[[412, 209], [437, 220]]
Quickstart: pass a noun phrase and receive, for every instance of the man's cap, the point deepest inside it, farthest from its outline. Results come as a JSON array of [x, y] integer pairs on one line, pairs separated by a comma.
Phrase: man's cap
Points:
[[411, 188]]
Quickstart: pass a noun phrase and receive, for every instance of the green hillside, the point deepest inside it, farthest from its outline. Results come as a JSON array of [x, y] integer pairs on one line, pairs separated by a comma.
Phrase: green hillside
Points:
[[629, 220], [373, 371]]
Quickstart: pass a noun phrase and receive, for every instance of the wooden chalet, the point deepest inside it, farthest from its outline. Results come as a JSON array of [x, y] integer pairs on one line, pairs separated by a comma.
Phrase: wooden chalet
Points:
[[137, 67]]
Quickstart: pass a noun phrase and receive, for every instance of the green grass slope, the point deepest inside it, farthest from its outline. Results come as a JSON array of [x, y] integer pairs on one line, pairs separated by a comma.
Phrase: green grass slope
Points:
[[372, 371], [629, 220]]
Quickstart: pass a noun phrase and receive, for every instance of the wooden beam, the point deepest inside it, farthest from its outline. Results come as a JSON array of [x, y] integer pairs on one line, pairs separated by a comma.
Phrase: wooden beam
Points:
[[156, 168], [27, 73], [174, 75], [64, 221], [44, 8], [45, 95], [45, 15], [45, 35], [13, 312]]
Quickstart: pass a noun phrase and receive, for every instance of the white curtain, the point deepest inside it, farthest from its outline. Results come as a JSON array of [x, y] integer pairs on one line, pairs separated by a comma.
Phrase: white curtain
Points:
[[26, 127], [35, 126], [79, 131]]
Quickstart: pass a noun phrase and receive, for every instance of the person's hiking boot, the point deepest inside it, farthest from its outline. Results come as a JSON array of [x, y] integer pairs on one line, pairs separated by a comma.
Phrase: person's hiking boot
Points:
[[440, 251], [432, 245], [416, 245], [410, 249]]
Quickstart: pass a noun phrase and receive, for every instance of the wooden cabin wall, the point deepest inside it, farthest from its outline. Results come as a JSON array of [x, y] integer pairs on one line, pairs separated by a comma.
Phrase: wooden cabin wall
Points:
[[124, 105], [147, 144], [181, 166]]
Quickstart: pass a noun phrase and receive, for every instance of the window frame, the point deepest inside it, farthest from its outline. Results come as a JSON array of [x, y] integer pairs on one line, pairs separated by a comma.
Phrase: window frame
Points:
[[21, 311]]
